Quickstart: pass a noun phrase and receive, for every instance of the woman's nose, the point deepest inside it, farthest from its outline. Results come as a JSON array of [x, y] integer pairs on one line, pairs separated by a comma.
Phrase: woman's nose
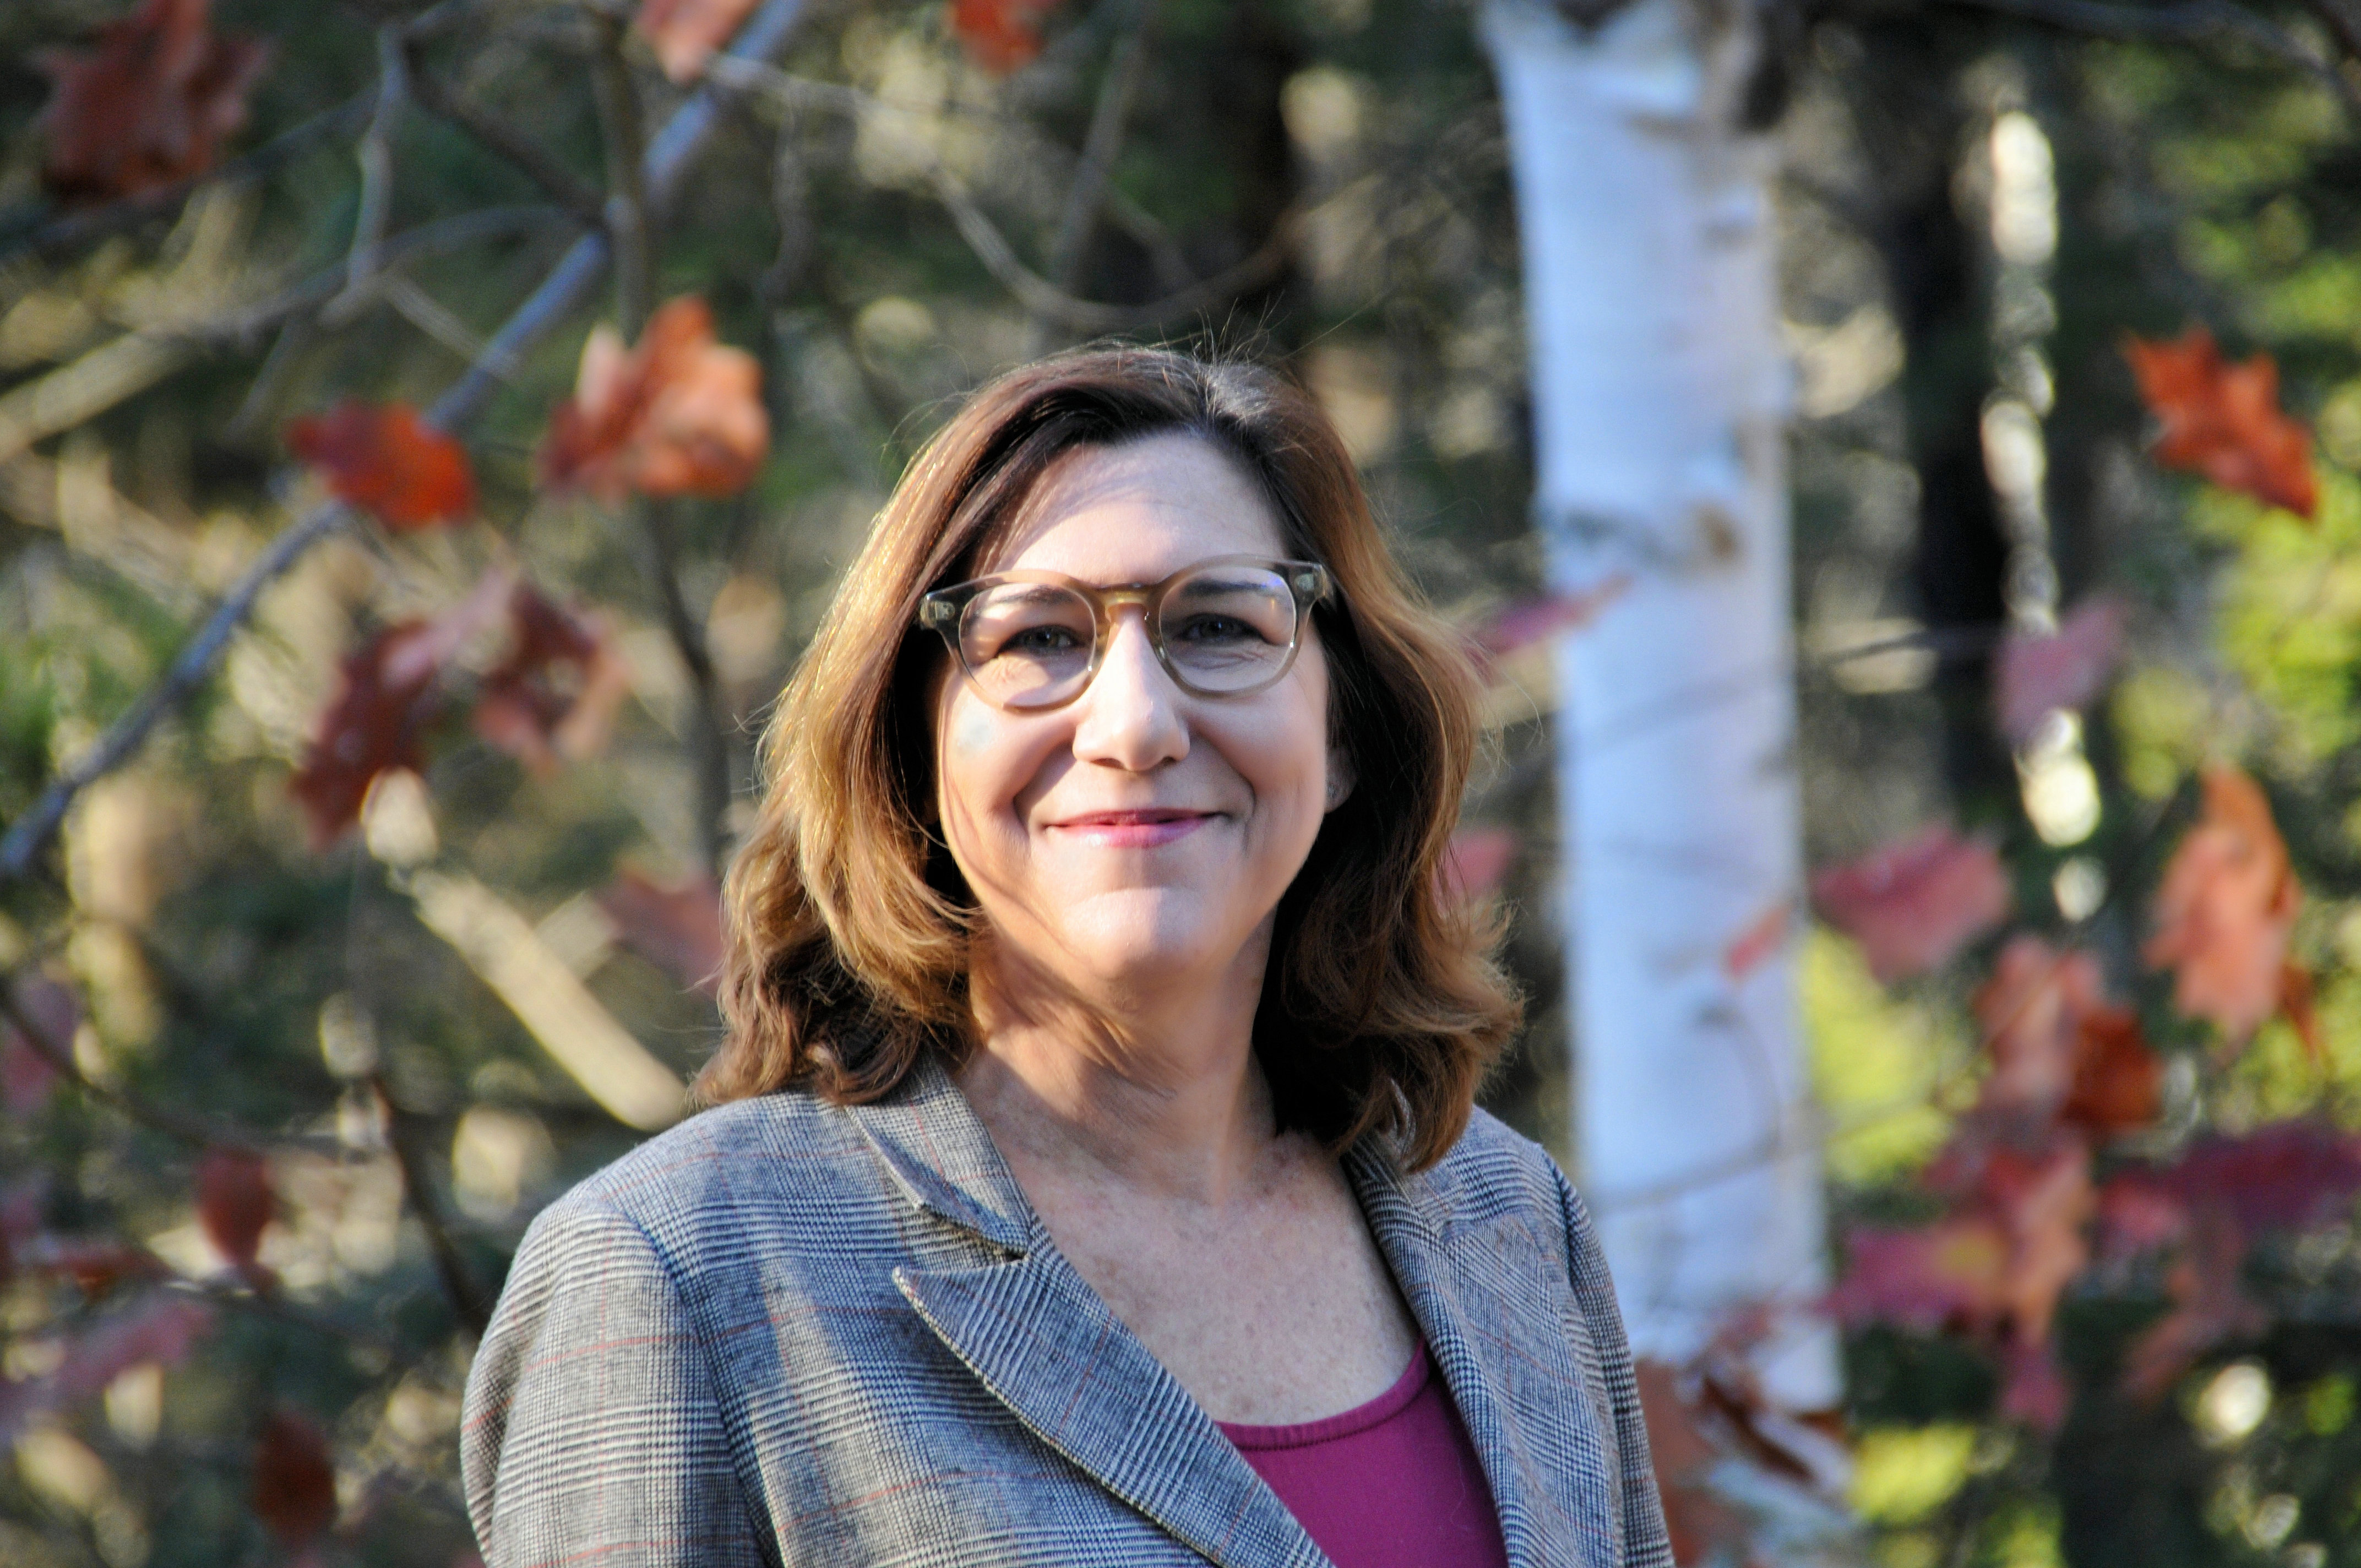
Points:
[[1131, 712]]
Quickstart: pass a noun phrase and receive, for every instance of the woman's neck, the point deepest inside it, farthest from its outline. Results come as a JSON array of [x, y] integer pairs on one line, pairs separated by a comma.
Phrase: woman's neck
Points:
[[1166, 1099]]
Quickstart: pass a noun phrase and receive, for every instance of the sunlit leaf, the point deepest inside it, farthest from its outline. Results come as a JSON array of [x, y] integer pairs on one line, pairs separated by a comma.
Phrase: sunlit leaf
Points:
[[2034, 676], [675, 926], [685, 33], [2224, 420], [2225, 909], [387, 461], [677, 415], [1912, 904]]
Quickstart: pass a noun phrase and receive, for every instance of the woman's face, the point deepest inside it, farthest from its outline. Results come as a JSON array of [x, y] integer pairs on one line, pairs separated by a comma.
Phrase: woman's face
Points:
[[1139, 836]]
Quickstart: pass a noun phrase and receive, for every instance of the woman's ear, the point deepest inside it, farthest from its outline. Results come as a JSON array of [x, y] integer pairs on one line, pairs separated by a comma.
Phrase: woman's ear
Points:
[[1342, 776]]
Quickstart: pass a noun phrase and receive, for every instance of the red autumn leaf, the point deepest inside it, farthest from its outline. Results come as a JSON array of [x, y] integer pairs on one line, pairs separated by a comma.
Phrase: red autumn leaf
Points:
[[1947, 1274], [1701, 1524], [2210, 1306], [556, 693], [149, 106], [685, 33], [162, 1329], [2225, 908], [1914, 904], [2033, 1386], [29, 1068], [675, 927], [2067, 669], [1479, 859], [677, 415], [1528, 621], [2286, 1175], [1758, 939], [294, 1479], [1000, 35], [2059, 1048], [2118, 1082], [387, 461], [2224, 420], [2297, 1003], [388, 695], [235, 1202]]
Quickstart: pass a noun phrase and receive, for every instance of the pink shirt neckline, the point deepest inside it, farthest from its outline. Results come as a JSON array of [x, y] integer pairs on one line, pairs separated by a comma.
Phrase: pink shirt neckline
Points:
[[1345, 1423]]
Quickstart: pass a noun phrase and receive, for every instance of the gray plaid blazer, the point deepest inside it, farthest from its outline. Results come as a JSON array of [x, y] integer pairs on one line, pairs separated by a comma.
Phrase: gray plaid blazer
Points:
[[788, 1333]]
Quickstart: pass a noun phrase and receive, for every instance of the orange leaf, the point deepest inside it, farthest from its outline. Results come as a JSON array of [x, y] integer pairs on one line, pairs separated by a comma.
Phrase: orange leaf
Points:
[[1535, 620], [675, 927], [2118, 1082], [2225, 908], [685, 33], [294, 1479], [556, 693], [1914, 904], [388, 460], [1758, 939], [2224, 420], [1699, 1523], [678, 415], [235, 1202], [1000, 35], [149, 106]]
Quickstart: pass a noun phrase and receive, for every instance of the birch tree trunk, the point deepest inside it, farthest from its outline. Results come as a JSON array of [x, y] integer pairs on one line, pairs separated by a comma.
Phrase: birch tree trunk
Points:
[[1659, 391]]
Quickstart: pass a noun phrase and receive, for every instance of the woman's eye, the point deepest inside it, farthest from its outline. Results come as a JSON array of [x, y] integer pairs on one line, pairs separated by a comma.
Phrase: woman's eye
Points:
[[1042, 640], [1215, 628]]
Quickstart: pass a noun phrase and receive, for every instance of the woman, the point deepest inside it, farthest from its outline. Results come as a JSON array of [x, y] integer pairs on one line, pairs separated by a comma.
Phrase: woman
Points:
[[1095, 1178]]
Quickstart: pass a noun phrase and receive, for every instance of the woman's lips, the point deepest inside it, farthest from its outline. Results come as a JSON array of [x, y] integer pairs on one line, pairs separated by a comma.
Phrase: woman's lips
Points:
[[1133, 829]]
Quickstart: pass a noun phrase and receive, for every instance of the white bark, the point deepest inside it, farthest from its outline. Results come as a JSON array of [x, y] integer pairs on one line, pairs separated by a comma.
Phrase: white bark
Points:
[[1659, 393]]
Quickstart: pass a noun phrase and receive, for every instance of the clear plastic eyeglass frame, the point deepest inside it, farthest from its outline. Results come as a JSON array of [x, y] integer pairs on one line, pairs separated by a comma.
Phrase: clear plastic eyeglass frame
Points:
[[949, 612]]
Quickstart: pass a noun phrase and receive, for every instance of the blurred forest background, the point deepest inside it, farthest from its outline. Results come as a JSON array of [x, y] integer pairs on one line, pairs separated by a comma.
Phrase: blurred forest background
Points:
[[365, 787]]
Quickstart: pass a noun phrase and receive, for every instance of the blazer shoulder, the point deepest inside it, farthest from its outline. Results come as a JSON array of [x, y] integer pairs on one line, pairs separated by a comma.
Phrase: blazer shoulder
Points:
[[785, 1152], [1495, 1172]]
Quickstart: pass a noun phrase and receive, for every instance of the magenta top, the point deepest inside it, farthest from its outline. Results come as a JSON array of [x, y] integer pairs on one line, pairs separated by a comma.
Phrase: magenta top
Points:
[[1391, 1484]]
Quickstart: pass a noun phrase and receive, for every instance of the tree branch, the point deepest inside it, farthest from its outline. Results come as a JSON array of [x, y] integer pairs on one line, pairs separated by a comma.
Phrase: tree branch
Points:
[[197, 1132], [29, 233], [709, 740], [627, 198], [1086, 195], [402, 1136], [1032, 290], [498, 137], [2188, 21], [566, 288]]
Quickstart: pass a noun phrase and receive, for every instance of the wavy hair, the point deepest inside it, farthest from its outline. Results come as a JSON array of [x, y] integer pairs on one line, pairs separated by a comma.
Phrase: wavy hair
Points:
[[849, 928]]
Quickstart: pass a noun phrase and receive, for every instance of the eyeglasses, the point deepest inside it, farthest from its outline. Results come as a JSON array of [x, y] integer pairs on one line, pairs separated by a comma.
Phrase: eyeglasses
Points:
[[1032, 641]]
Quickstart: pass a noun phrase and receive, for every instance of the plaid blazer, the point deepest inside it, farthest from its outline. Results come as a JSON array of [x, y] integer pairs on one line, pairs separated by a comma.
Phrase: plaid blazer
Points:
[[785, 1334]]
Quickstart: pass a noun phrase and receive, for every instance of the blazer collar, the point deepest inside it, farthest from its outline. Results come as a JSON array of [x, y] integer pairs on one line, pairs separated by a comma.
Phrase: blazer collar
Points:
[[1515, 1363], [1046, 1346]]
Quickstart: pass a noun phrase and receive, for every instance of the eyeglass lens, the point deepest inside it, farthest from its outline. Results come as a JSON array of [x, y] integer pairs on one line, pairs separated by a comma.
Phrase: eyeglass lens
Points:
[[1222, 629]]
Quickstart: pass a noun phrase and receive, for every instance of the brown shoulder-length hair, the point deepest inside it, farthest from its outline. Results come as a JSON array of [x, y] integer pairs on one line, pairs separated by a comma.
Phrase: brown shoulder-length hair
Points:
[[848, 924]]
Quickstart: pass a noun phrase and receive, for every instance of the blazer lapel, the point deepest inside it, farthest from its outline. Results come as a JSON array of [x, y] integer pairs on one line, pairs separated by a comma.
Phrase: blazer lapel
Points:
[[1038, 1337], [1515, 1357]]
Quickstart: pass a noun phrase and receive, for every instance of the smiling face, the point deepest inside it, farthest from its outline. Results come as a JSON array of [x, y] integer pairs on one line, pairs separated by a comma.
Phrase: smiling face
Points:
[[1137, 838]]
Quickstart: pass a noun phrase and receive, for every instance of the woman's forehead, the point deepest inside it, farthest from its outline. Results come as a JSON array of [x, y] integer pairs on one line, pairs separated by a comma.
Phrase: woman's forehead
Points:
[[1136, 512]]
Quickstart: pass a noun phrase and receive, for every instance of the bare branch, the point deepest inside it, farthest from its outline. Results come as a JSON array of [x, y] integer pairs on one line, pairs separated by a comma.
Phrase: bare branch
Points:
[[627, 198], [1035, 292], [403, 1136], [564, 290], [499, 136], [58, 236], [2189, 21], [188, 671], [376, 157], [198, 1132], [708, 740], [1087, 195]]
